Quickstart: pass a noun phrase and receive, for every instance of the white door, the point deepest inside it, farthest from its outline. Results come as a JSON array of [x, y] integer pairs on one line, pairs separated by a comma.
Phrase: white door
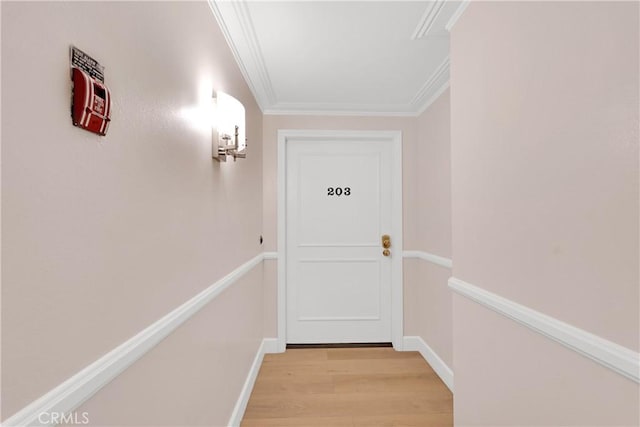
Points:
[[338, 207]]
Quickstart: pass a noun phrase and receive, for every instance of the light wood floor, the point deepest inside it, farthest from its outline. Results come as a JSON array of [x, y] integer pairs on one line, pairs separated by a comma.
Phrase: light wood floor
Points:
[[366, 387]]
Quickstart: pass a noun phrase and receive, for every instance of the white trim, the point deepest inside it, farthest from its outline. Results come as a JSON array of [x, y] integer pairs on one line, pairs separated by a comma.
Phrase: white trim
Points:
[[282, 241], [434, 97], [80, 387], [426, 256], [457, 14], [270, 346], [415, 343], [426, 96], [620, 359], [430, 91], [266, 346], [397, 279], [396, 262], [260, 86], [270, 255], [251, 39], [245, 393], [332, 110], [435, 85], [428, 19], [236, 19]]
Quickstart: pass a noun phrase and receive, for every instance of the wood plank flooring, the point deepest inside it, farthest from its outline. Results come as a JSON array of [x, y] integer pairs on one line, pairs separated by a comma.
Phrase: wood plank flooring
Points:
[[348, 387]]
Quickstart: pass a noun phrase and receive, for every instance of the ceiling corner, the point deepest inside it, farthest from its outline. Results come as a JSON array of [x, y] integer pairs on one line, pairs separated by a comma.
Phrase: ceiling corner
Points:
[[433, 87], [428, 19], [234, 20], [456, 15]]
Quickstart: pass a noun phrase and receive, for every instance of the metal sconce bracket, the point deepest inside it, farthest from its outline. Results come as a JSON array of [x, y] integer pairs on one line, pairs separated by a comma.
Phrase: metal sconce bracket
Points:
[[224, 145], [228, 137]]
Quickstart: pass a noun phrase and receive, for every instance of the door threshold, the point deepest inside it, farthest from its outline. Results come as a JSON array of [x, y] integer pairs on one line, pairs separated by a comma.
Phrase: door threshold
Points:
[[340, 345]]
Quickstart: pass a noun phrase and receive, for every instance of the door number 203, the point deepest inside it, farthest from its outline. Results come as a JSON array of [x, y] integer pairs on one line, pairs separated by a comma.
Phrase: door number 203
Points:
[[339, 191]]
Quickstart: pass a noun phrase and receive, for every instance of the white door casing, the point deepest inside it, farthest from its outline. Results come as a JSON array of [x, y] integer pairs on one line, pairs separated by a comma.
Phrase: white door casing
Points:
[[338, 192]]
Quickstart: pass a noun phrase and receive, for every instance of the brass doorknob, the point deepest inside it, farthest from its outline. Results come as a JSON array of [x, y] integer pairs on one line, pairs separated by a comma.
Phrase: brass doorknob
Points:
[[386, 241], [386, 252]]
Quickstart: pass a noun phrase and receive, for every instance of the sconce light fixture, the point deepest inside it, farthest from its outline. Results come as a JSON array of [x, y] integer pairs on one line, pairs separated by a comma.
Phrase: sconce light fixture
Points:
[[229, 128]]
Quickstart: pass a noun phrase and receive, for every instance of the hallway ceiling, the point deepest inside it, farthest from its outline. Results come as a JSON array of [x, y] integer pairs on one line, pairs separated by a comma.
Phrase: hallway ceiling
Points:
[[340, 57]]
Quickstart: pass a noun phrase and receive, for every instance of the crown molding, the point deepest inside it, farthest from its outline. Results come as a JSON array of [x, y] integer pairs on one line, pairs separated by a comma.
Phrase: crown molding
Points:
[[432, 88], [340, 113], [235, 19], [457, 14], [435, 85], [434, 97], [310, 109], [428, 19], [247, 46]]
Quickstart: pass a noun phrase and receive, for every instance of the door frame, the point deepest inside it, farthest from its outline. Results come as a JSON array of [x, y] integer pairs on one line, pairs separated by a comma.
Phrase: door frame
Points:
[[395, 139]]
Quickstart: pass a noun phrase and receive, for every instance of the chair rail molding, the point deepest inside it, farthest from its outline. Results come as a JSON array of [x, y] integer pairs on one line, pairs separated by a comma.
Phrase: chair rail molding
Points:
[[619, 359], [270, 255], [83, 385], [426, 256]]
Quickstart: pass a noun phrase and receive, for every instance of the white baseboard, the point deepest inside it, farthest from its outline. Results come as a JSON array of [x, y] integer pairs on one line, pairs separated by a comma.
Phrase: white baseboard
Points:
[[415, 343], [268, 345], [619, 359], [80, 387], [271, 346]]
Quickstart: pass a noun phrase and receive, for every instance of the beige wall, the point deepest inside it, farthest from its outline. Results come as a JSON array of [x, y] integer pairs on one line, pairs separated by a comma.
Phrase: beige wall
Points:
[[270, 289], [194, 376], [545, 206], [426, 199], [102, 236], [434, 175], [508, 375], [428, 304]]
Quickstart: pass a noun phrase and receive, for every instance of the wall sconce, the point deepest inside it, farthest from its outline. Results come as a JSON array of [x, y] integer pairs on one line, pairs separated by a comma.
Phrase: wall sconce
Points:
[[229, 128]]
